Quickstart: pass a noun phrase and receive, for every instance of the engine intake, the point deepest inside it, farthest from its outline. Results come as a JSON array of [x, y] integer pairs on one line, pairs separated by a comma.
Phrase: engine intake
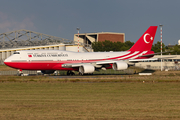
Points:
[[86, 69], [120, 65]]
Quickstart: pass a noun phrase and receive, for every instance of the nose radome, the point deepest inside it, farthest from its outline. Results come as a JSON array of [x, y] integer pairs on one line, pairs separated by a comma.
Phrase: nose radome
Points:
[[6, 60]]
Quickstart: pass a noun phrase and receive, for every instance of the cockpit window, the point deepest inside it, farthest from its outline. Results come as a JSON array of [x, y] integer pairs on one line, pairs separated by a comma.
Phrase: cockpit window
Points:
[[16, 52]]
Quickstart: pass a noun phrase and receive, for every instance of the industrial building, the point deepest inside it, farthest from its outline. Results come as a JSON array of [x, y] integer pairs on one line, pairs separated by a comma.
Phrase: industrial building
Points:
[[30, 40], [89, 38], [171, 62]]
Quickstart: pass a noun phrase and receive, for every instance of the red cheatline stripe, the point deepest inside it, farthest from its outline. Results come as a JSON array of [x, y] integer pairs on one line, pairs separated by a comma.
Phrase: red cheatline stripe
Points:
[[134, 55], [120, 56], [126, 55]]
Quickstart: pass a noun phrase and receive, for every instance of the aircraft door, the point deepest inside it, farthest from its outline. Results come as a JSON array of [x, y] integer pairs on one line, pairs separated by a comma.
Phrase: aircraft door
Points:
[[29, 58]]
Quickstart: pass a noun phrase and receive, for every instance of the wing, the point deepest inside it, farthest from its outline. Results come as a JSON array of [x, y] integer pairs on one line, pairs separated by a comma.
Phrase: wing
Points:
[[140, 60], [99, 64], [154, 54], [96, 64]]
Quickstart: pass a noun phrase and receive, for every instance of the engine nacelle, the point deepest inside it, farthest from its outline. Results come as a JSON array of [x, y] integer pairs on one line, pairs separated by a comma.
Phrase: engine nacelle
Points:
[[86, 69], [47, 71], [120, 65]]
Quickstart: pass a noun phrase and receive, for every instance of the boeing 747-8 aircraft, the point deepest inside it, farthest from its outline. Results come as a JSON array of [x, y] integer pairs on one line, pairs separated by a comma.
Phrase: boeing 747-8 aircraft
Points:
[[50, 60]]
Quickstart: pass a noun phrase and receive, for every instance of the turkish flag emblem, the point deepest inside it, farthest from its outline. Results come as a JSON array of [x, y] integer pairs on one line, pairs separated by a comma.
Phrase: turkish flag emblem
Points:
[[29, 55], [147, 38]]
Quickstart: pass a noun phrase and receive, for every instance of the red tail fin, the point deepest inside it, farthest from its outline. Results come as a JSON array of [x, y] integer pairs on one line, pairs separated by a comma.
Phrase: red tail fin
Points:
[[145, 41]]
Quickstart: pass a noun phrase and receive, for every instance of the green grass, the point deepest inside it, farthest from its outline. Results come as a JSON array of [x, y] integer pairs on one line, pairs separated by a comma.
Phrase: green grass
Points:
[[6, 68], [84, 100]]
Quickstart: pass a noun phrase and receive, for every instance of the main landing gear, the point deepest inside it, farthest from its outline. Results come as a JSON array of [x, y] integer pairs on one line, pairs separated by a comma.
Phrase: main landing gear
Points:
[[70, 73], [85, 73], [80, 73]]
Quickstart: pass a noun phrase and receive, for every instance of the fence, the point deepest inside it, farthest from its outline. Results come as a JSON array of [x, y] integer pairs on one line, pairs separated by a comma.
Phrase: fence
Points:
[[27, 72], [2, 61]]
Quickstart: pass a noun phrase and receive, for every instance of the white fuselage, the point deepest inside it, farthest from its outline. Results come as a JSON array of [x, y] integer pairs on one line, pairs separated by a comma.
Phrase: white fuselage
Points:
[[53, 59]]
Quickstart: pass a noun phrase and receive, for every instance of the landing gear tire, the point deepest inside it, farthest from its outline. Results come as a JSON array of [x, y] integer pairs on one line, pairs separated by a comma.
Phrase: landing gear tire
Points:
[[20, 74], [80, 73], [70, 73]]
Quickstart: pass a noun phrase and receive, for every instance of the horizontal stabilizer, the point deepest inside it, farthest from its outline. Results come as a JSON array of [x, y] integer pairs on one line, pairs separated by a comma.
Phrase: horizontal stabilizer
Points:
[[153, 54]]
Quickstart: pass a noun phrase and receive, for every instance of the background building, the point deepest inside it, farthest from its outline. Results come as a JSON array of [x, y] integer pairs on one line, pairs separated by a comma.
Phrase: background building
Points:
[[30, 40], [170, 62], [88, 38]]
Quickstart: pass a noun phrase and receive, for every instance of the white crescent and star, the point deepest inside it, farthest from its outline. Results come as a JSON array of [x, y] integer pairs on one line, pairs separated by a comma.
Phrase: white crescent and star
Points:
[[145, 38]]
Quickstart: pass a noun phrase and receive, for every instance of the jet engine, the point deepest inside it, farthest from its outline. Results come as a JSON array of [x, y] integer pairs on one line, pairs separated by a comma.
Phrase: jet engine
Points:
[[120, 65], [86, 69], [47, 71]]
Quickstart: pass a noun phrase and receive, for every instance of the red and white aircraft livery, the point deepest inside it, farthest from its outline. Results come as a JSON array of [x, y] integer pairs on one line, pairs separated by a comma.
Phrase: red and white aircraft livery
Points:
[[50, 60]]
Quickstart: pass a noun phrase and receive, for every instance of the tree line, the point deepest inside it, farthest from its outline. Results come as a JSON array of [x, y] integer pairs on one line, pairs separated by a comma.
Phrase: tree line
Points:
[[119, 46], [111, 46]]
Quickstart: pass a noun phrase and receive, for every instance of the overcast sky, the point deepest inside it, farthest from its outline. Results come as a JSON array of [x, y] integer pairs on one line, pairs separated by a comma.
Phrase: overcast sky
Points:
[[61, 17]]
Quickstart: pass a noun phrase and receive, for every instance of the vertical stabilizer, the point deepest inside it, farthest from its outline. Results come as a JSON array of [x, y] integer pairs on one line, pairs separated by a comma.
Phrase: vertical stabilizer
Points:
[[145, 41]]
